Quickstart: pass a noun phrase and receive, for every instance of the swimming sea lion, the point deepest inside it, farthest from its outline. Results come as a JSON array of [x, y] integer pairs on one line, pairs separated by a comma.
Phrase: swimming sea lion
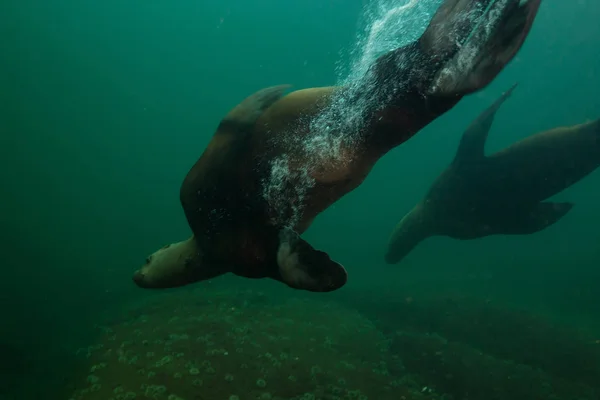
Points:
[[504, 193], [276, 161]]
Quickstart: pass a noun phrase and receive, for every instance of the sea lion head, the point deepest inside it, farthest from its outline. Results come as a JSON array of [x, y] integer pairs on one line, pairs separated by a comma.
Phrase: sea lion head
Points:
[[174, 265]]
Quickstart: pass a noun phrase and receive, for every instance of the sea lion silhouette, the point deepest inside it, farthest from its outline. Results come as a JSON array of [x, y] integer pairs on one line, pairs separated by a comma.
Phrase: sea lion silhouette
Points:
[[503, 193], [276, 161]]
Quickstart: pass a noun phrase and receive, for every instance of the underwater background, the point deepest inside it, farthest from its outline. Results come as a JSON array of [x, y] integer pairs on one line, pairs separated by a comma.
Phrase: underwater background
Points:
[[104, 107]]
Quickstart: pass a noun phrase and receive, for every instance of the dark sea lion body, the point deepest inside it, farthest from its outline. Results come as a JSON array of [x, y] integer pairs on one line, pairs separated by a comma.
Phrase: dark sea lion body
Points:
[[221, 195], [247, 219], [503, 193]]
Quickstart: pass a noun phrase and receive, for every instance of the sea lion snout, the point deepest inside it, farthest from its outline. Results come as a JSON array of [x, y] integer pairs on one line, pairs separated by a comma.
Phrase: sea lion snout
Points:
[[139, 279], [391, 258], [175, 265]]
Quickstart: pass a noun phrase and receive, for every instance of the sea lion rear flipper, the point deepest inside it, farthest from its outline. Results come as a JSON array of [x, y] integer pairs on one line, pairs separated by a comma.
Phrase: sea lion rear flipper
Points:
[[412, 229], [472, 143], [532, 220], [475, 41], [302, 267], [450, 27]]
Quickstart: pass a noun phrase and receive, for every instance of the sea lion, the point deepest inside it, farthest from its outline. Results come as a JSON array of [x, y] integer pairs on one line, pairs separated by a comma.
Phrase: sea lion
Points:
[[276, 161], [503, 193]]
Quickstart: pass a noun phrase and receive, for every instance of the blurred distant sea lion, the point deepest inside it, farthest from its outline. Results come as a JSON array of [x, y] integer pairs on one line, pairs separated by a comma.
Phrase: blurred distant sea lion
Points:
[[504, 193]]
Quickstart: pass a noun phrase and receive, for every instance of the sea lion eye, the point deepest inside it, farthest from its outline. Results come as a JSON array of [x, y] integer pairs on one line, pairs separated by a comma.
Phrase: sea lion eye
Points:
[[148, 260]]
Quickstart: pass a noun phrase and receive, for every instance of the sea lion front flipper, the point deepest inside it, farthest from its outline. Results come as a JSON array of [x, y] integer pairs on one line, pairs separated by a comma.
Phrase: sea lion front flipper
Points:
[[497, 36], [472, 143], [302, 267], [532, 220], [412, 229], [246, 113]]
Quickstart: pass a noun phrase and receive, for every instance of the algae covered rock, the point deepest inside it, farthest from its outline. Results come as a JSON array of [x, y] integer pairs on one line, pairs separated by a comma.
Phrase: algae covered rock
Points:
[[226, 345]]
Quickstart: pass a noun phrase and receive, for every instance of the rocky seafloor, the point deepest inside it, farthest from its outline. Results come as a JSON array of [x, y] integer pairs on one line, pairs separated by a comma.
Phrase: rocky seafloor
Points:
[[227, 344], [223, 345]]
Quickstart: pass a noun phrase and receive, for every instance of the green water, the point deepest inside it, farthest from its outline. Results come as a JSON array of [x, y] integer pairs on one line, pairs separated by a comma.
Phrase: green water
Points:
[[104, 106]]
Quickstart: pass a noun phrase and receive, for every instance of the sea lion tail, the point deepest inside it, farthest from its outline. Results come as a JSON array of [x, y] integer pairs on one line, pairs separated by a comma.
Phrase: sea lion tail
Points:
[[471, 41], [412, 229]]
